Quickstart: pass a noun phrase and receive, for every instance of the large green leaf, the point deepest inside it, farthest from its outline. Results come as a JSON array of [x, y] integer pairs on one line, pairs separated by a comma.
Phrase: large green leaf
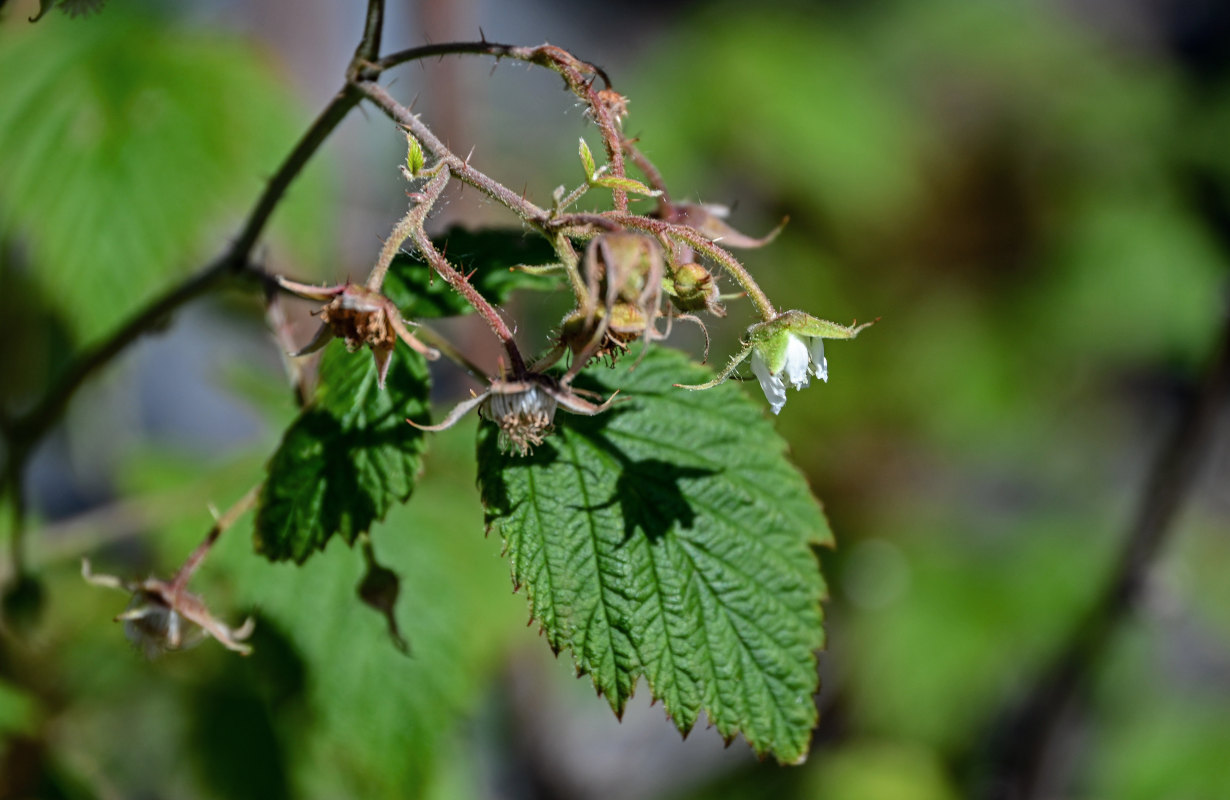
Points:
[[347, 458], [488, 256], [127, 147], [671, 538]]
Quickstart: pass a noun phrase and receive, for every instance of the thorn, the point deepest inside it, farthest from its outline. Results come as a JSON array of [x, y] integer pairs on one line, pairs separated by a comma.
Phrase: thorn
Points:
[[413, 102], [467, 161]]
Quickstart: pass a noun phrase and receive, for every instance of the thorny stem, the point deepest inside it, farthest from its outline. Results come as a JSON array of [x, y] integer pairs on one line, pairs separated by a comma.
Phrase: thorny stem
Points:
[[220, 526], [534, 55], [431, 192], [571, 70], [401, 232], [29, 428], [1024, 748], [527, 210]]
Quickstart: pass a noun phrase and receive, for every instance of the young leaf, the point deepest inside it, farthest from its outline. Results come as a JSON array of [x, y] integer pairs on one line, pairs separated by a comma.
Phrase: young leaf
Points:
[[414, 155], [587, 161], [671, 538], [348, 456], [627, 184], [490, 254]]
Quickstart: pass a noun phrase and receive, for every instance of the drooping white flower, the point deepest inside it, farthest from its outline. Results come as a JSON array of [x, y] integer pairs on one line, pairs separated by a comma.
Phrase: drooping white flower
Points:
[[788, 349], [788, 358]]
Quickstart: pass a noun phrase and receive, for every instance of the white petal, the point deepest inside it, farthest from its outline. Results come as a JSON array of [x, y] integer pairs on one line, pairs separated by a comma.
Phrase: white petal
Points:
[[797, 361], [772, 385], [819, 364]]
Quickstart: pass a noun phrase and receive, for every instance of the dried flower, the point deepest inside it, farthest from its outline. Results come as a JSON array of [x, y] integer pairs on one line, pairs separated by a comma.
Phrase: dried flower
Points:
[[359, 316], [523, 409], [163, 616]]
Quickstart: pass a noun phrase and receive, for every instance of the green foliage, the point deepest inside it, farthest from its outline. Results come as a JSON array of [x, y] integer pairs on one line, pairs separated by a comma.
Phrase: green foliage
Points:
[[348, 457], [123, 144], [380, 719], [671, 538], [491, 255], [881, 771]]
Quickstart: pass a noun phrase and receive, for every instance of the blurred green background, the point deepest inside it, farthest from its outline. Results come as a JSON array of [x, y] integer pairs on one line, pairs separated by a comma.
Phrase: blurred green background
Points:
[[1033, 197]]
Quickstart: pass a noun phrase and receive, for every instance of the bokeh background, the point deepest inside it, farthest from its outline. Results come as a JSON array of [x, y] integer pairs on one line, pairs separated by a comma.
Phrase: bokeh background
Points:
[[1034, 197]]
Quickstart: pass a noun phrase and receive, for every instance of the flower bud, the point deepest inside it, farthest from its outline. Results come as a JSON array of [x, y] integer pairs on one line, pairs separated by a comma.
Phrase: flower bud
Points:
[[692, 288]]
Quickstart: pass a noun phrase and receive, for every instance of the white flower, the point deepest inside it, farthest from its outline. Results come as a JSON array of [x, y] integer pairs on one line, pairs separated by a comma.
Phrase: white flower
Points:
[[788, 358]]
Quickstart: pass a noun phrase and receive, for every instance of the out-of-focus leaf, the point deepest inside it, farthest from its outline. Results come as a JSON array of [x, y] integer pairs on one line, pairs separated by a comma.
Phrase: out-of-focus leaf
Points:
[[818, 119], [380, 719], [18, 710], [954, 602], [124, 143], [490, 255], [881, 771], [348, 457], [671, 538]]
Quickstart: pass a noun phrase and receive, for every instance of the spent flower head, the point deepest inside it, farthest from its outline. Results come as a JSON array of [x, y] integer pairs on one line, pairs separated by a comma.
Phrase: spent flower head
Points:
[[523, 409], [163, 616], [359, 316]]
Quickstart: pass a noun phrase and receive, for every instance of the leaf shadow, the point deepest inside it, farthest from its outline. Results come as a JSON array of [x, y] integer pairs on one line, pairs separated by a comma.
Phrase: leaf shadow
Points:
[[648, 490]]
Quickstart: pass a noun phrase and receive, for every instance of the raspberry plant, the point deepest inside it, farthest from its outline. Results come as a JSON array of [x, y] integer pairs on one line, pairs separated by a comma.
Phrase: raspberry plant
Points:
[[646, 506]]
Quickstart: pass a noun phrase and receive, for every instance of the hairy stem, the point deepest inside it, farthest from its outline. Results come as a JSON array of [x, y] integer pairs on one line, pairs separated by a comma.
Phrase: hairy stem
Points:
[[224, 521], [401, 232], [457, 166], [430, 194]]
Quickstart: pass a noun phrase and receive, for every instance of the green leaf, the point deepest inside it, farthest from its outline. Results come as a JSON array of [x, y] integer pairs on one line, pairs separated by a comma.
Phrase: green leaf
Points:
[[490, 255], [587, 161], [129, 151], [671, 538], [348, 456], [627, 184]]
